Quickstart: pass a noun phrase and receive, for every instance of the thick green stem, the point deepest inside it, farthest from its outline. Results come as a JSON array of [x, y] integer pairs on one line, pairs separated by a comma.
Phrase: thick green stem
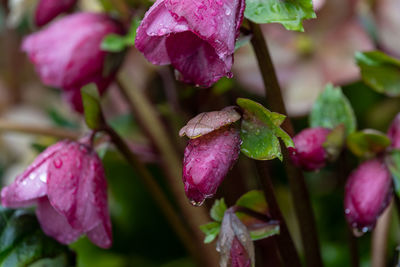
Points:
[[156, 192], [171, 163], [301, 199], [285, 243]]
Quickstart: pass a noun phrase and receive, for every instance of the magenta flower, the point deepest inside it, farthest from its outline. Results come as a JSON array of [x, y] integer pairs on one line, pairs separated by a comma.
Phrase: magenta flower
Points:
[[67, 182], [67, 54], [368, 193], [47, 10], [197, 37], [394, 132], [239, 255], [309, 152], [207, 160]]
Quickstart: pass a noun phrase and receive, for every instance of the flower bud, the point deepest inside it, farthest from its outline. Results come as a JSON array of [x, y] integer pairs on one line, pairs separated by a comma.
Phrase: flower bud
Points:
[[239, 255], [197, 37], [309, 152], [67, 182], [47, 10], [67, 54], [394, 132], [368, 192], [207, 160]]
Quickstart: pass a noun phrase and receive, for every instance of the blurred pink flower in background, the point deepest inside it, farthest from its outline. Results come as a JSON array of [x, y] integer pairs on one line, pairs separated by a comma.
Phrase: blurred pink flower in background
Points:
[[388, 24], [67, 182], [196, 37], [47, 10], [67, 54]]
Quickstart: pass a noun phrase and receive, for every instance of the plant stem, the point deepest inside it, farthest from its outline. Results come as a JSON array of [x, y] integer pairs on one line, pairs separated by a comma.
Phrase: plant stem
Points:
[[8, 126], [171, 163], [285, 243], [380, 237], [353, 247], [301, 199], [156, 192]]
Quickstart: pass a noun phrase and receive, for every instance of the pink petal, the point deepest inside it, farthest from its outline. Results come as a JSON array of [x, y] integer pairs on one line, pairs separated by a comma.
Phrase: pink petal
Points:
[[77, 187], [54, 224], [31, 184], [47, 10]]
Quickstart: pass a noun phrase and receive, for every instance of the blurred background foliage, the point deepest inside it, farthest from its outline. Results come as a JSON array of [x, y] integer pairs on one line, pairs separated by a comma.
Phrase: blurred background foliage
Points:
[[305, 63]]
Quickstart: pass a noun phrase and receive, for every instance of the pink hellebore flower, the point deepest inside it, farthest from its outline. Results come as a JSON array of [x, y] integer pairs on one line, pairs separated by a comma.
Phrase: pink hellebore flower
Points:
[[367, 194], [47, 10], [196, 36], [239, 255], [394, 132], [67, 182], [67, 54], [309, 152], [207, 160]]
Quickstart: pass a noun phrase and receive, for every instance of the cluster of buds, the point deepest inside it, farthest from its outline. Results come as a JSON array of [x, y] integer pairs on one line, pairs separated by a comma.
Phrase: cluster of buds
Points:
[[67, 183]]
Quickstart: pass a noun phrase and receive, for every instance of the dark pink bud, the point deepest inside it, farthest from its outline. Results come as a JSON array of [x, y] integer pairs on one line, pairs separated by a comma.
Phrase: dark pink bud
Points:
[[394, 132], [196, 36], [67, 182], [367, 194], [239, 255], [207, 160], [309, 152], [67, 54], [47, 10]]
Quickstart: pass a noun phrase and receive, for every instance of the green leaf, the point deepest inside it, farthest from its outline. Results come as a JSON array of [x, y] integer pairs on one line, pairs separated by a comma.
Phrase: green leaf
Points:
[[218, 209], [331, 109], [392, 160], [380, 71], [290, 13], [260, 131], [91, 105], [117, 43], [255, 200], [367, 143], [334, 142], [22, 243], [211, 230]]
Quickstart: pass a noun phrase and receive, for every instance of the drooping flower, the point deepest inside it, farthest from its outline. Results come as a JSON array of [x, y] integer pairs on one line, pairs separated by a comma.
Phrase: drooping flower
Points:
[[367, 194], [309, 152], [207, 160], [67, 182], [47, 10], [67, 54], [197, 37], [394, 132]]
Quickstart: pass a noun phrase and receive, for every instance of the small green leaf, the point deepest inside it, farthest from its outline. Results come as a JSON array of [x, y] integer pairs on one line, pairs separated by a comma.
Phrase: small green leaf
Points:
[[331, 109], [211, 230], [392, 160], [22, 243], [218, 209], [254, 200], [380, 71], [367, 143], [113, 43], [91, 105], [334, 142], [290, 13], [260, 131]]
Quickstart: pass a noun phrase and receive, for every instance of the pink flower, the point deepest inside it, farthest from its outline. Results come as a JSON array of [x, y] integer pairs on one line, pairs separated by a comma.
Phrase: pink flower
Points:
[[394, 132], [67, 182], [368, 193], [196, 36], [67, 54], [47, 10], [309, 152], [239, 255], [207, 160]]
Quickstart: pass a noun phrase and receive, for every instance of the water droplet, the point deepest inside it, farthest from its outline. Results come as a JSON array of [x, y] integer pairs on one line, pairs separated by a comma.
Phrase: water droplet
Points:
[[43, 177], [196, 203], [347, 211], [228, 11], [58, 163]]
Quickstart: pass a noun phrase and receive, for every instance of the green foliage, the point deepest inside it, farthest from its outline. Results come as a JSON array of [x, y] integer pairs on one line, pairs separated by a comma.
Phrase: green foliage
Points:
[[334, 142], [211, 230], [260, 131], [22, 243], [117, 43], [290, 13], [218, 209], [367, 143], [393, 163], [380, 71], [91, 105], [331, 109]]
